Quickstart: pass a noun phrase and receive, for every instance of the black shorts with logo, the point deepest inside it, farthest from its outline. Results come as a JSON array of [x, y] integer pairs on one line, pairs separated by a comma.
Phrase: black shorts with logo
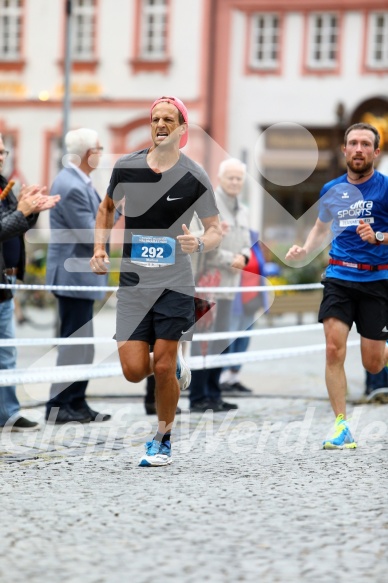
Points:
[[364, 303], [151, 314]]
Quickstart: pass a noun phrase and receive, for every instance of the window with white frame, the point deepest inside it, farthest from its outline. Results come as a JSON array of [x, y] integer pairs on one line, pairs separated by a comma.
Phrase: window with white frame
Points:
[[265, 33], [323, 41], [377, 53], [10, 29], [153, 43], [84, 29]]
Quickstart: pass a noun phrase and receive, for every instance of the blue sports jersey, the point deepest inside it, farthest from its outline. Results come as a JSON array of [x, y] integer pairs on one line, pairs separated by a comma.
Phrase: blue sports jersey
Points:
[[345, 204]]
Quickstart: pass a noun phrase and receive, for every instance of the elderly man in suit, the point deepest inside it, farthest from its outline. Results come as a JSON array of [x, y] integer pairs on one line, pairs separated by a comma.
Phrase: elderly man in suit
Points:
[[71, 244]]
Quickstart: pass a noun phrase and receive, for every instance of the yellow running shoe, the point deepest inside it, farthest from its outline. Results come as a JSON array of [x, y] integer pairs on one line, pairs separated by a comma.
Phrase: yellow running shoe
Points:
[[342, 438]]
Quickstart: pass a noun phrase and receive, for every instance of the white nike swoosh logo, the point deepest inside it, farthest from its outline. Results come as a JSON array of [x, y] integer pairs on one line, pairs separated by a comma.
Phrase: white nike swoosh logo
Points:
[[384, 329], [170, 199], [184, 331]]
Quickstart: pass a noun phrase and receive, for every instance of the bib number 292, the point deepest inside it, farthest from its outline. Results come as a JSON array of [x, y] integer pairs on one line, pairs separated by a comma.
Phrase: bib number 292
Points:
[[152, 252]]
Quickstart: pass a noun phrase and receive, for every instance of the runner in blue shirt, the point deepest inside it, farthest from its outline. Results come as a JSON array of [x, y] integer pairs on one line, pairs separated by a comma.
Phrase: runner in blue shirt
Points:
[[354, 207]]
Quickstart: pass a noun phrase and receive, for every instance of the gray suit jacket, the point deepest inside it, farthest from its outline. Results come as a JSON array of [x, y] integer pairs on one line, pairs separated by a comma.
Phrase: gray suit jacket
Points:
[[72, 223]]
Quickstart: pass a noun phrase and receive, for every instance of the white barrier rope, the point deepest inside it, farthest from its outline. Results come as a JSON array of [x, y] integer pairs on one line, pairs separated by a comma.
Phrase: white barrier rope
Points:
[[42, 287], [75, 373], [221, 360], [257, 332], [197, 337], [222, 290], [56, 341]]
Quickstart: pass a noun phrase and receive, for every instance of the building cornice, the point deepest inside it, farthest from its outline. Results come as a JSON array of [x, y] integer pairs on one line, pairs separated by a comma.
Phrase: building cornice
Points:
[[81, 103], [305, 5]]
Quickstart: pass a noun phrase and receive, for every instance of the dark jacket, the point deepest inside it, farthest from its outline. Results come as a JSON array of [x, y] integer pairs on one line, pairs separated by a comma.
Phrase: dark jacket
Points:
[[12, 224]]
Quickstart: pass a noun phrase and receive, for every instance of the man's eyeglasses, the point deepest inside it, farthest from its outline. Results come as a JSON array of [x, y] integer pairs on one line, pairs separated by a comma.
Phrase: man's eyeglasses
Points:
[[4, 153], [99, 149]]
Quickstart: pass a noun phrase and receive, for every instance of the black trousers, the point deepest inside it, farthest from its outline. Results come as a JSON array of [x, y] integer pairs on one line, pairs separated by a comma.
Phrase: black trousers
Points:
[[76, 320], [205, 383]]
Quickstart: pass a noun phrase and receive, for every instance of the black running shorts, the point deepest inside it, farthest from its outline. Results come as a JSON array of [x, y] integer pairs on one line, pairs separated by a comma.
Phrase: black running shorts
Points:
[[151, 314], [364, 303]]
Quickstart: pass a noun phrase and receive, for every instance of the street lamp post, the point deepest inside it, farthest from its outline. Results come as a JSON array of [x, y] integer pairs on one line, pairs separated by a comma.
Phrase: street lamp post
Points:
[[66, 96]]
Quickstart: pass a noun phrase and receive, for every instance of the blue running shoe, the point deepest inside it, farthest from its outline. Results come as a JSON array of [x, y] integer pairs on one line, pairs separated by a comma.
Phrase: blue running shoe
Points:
[[183, 372], [342, 438], [157, 454]]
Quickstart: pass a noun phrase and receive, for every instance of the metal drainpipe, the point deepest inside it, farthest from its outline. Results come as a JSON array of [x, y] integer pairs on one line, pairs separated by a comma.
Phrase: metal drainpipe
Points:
[[67, 90], [210, 78]]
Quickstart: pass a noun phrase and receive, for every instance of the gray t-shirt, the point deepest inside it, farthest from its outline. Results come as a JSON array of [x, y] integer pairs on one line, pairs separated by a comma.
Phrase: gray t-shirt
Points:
[[155, 207]]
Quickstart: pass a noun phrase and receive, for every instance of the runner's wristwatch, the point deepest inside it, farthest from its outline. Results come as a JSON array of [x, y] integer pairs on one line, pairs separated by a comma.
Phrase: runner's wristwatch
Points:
[[379, 237], [201, 246]]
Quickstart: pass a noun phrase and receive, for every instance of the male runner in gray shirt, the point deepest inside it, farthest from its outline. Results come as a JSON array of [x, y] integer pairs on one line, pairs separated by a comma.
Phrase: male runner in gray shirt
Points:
[[161, 189]]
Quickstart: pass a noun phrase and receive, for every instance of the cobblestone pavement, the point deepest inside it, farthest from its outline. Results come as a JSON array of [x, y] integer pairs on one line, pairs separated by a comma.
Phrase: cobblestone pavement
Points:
[[249, 497]]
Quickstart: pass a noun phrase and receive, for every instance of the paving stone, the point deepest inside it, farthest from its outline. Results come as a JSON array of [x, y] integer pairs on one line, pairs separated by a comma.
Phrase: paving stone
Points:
[[249, 497]]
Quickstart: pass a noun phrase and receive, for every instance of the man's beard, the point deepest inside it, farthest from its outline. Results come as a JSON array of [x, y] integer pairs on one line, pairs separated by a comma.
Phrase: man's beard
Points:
[[362, 170]]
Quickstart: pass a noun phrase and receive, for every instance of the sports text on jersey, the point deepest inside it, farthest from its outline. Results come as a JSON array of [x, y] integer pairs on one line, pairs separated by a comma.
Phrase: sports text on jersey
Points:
[[360, 209]]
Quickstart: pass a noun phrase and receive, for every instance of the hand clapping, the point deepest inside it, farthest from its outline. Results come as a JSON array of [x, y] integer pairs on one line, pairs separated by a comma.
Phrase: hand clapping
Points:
[[35, 199]]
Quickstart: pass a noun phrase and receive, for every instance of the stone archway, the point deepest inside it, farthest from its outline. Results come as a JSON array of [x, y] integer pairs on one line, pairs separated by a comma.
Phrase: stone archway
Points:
[[375, 112]]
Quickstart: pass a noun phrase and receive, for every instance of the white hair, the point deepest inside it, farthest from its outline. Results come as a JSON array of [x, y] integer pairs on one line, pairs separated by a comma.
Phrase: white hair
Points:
[[225, 164], [80, 141]]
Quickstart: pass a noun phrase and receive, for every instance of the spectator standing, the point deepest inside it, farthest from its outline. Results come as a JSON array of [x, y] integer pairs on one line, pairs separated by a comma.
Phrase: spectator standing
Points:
[[16, 217], [72, 227], [244, 313], [229, 258]]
